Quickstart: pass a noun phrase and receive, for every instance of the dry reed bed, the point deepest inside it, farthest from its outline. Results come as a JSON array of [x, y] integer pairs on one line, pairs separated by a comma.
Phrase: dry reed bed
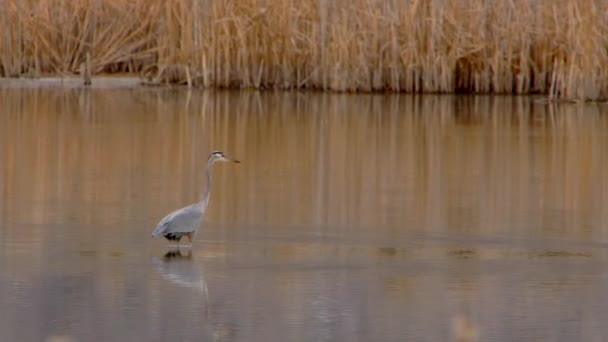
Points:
[[553, 47]]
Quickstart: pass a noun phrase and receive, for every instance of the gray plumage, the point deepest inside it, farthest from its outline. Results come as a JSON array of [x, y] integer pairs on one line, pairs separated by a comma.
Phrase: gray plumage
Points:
[[187, 220], [180, 222]]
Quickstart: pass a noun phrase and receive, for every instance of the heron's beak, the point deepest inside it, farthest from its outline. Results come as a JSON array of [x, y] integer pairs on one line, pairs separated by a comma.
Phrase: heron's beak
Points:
[[231, 160]]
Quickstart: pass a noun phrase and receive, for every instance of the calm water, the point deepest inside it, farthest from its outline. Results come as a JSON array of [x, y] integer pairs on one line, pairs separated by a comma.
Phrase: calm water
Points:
[[352, 218]]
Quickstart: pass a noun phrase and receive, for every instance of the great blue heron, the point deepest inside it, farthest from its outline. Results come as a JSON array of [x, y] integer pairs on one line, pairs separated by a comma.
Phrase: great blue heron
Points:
[[186, 221]]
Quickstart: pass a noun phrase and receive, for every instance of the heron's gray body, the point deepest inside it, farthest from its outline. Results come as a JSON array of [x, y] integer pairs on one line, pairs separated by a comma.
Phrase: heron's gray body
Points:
[[179, 223], [187, 220]]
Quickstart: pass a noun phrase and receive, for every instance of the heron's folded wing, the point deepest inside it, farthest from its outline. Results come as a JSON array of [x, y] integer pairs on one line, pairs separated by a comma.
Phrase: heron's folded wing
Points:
[[183, 220]]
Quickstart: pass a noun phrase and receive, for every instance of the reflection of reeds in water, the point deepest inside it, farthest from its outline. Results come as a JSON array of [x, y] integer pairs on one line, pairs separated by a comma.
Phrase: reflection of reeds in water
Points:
[[430, 163], [553, 47], [344, 165]]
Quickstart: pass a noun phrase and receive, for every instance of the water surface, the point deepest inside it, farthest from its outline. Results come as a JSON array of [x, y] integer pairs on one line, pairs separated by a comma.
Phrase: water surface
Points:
[[351, 218]]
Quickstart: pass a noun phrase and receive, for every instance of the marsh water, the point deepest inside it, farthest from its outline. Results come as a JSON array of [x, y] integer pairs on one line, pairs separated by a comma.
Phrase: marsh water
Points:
[[350, 218]]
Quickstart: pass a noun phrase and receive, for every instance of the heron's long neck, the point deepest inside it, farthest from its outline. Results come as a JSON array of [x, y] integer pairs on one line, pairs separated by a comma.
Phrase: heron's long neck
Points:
[[207, 190]]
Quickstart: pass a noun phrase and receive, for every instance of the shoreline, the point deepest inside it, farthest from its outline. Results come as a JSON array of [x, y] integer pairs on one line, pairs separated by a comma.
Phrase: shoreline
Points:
[[70, 82], [127, 81]]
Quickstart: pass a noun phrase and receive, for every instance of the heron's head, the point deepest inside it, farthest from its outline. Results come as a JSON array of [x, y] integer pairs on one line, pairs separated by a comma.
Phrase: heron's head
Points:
[[219, 156]]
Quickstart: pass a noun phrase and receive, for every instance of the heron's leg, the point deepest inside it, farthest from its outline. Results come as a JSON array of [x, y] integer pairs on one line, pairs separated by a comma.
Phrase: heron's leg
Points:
[[171, 245], [189, 236]]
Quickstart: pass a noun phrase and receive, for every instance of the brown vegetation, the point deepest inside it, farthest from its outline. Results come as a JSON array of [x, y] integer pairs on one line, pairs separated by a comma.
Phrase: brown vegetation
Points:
[[553, 47]]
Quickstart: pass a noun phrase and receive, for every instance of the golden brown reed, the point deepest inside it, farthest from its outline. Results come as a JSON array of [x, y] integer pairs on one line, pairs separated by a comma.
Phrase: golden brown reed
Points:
[[553, 47]]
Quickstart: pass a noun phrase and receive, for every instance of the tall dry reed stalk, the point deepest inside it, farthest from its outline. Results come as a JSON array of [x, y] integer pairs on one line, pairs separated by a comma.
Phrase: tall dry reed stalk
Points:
[[553, 47]]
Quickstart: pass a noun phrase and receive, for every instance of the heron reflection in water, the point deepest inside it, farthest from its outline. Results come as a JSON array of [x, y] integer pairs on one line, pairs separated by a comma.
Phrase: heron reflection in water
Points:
[[180, 269], [187, 220]]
